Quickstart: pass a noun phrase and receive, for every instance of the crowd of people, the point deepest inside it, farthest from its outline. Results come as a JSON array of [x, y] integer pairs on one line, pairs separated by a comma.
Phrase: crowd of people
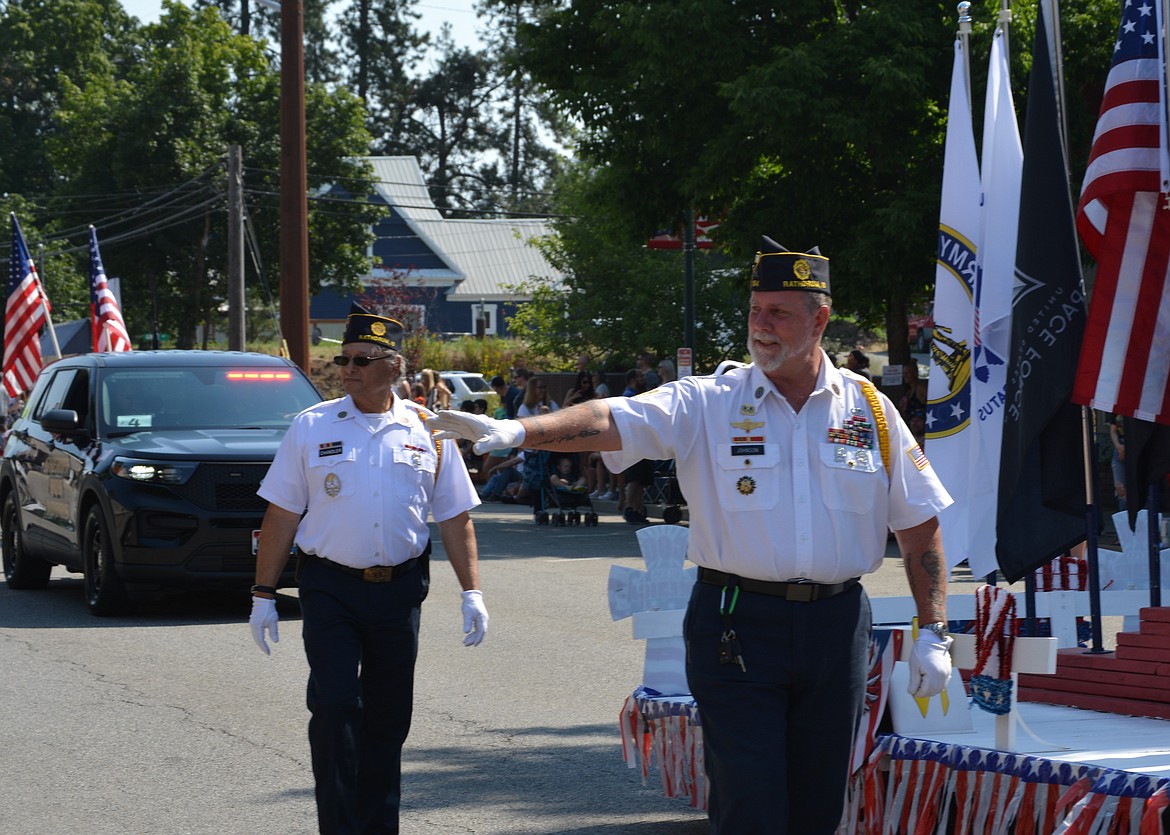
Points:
[[502, 476], [505, 476]]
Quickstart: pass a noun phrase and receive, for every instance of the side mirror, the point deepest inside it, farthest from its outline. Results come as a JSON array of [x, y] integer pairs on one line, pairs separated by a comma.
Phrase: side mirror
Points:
[[62, 422]]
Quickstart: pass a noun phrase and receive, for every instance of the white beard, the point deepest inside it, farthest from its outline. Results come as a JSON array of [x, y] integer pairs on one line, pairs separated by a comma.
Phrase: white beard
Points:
[[772, 357]]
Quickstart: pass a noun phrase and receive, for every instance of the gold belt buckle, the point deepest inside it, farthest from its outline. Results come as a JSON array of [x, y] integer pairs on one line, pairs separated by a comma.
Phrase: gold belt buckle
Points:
[[378, 574]]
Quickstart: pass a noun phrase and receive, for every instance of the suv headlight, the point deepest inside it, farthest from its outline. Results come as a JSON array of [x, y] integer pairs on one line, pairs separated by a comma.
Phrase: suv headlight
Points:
[[153, 472]]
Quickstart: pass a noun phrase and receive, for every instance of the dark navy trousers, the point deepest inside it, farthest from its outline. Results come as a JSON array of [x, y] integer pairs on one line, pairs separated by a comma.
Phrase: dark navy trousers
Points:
[[777, 738], [361, 640]]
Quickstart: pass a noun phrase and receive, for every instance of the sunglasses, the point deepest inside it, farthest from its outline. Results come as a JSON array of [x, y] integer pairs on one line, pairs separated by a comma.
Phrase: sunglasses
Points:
[[360, 362]]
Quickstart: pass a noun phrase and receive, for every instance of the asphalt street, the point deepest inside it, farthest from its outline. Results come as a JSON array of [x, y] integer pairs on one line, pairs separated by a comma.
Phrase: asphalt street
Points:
[[172, 721]]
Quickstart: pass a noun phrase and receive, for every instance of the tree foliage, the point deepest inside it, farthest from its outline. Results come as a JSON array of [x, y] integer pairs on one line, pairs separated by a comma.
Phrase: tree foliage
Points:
[[137, 148], [815, 123]]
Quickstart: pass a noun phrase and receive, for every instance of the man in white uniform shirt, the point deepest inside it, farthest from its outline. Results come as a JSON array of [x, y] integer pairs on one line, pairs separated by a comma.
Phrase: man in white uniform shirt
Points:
[[793, 472], [364, 471]]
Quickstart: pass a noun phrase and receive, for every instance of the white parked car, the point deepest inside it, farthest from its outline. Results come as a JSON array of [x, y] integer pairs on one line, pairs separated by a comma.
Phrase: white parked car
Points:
[[467, 385]]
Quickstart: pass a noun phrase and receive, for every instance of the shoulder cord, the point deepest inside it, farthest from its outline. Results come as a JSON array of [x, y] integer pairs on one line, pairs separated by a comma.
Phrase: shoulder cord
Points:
[[879, 418]]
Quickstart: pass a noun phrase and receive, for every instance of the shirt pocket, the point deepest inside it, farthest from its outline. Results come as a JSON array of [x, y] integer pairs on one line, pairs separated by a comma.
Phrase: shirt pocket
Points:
[[334, 476], [415, 478], [748, 481], [854, 479]]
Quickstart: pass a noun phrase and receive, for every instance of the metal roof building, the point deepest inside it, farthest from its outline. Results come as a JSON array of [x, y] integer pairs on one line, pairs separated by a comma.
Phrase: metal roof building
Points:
[[468, 265]]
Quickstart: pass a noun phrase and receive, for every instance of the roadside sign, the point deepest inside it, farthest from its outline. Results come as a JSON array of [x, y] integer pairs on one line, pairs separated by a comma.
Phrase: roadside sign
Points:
[[684, 362]]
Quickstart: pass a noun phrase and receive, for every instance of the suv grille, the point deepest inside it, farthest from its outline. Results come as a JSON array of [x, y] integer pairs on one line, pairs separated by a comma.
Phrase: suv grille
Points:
[[226, 487]]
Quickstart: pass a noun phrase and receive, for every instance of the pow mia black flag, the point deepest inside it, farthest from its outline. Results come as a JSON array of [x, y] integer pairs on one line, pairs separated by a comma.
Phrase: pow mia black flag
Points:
[[1041, 499]]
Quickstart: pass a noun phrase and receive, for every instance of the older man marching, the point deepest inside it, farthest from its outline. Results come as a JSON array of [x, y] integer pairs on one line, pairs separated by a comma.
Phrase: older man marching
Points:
[[793, 471]]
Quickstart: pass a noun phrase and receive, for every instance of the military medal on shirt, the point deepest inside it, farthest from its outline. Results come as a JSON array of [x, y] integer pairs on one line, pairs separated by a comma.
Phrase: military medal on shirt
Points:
[[853, 442]]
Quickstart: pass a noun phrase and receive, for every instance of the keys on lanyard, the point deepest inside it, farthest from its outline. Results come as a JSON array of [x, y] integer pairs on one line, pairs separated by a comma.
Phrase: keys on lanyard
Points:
[[730, 651]]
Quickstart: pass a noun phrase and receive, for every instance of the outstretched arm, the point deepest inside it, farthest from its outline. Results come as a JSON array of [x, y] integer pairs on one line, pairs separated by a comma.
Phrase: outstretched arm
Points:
[[586, 426]]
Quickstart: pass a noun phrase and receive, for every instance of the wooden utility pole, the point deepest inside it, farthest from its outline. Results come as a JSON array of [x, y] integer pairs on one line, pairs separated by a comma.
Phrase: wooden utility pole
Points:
[[294, 206], [237, 305]]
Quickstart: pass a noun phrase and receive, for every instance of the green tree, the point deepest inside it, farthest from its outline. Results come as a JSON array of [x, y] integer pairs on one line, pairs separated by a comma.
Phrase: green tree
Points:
[[617, 298], [529, 133], [41, 43], [384, 46], [249, 17], [169, 120], [815, 123]]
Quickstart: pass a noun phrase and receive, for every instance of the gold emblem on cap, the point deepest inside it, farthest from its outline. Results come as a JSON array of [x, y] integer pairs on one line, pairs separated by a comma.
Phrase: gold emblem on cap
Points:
[[378, 329], [801, 269]]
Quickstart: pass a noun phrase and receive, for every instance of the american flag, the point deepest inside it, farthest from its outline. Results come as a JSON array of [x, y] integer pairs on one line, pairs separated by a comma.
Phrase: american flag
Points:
[[109, 329], [25, 315], [1124, 222]]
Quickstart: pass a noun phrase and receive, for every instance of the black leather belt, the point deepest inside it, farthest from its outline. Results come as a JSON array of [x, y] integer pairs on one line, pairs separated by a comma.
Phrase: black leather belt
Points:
[[795, 592], [373, 574]]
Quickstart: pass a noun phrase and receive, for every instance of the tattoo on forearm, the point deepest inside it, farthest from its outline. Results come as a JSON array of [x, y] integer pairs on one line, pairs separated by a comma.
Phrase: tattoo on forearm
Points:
[[934, 570]]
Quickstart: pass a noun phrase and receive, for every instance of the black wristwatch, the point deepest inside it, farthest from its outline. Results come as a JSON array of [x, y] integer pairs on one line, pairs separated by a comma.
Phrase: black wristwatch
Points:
[[264, 589]]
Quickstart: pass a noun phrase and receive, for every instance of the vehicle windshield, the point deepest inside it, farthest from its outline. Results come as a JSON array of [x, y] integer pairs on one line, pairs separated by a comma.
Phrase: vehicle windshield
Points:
[[144, 399]]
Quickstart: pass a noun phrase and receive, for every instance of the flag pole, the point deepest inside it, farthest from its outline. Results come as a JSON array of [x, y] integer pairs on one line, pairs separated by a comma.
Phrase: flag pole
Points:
[[964, 10], [1164, 100], [1004, 22], [1154, 540], [44, 300]]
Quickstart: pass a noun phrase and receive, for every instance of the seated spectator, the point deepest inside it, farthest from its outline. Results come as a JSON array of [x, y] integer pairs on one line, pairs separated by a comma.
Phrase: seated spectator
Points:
[[565, 479], [582, 390], [505, 474], [480, 406], [536, 400], [599, 385]]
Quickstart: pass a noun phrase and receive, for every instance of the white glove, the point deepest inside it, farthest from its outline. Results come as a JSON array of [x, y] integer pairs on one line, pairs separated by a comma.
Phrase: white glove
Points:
[[475, 618], [930, 665], [488, 433], [264, 617]]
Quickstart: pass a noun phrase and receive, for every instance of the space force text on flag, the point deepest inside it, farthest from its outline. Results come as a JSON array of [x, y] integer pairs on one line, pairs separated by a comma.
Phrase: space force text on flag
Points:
[[1041, 471], [25, 314]]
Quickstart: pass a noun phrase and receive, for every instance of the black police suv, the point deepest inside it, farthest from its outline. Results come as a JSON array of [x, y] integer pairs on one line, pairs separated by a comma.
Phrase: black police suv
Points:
[[139, 470]]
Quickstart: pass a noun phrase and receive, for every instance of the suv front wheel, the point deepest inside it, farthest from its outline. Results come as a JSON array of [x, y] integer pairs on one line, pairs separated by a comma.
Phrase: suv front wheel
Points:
[[21, 571], [105, 593]]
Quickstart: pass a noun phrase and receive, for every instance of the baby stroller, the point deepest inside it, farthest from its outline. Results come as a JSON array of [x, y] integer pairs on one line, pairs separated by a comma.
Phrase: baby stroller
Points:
[[553, 505]]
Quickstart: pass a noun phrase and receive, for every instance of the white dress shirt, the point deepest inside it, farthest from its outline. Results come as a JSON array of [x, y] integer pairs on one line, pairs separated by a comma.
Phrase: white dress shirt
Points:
[[367, 484], [773, 494]]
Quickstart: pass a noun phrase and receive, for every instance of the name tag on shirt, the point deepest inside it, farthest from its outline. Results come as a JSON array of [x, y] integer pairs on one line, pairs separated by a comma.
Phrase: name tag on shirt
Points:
[[327, 449], [747, 449]]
